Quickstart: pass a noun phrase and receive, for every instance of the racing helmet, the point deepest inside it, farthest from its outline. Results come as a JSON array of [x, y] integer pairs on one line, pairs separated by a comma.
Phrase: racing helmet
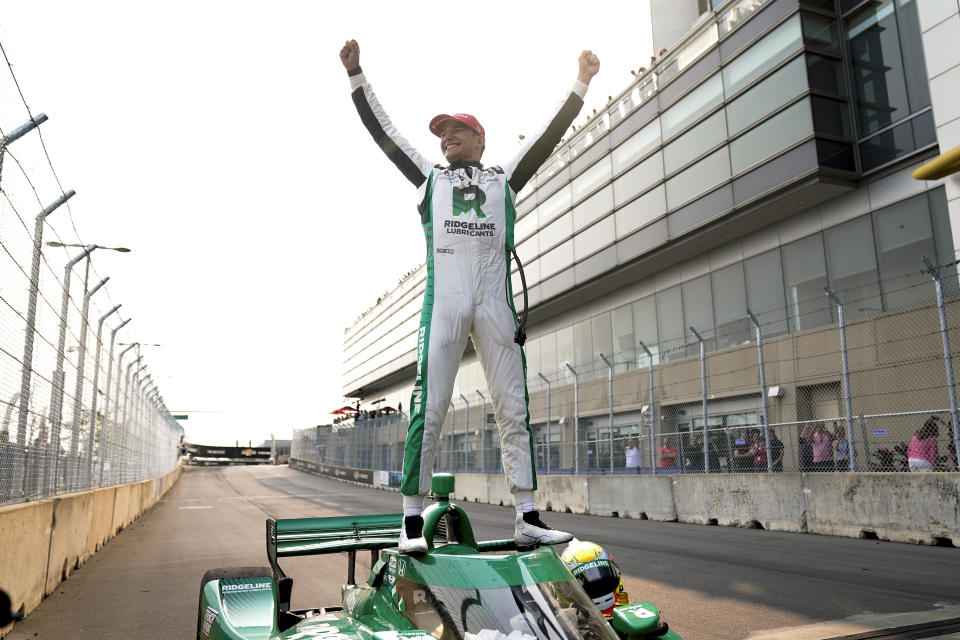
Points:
[[597, 572]]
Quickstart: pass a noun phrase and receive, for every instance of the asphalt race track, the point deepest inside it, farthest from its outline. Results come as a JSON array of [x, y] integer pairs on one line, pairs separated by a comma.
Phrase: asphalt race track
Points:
[[710, 582]]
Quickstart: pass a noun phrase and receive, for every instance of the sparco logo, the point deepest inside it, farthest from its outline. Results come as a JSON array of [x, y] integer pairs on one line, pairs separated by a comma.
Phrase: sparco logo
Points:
[[444, 250], [456, 227]]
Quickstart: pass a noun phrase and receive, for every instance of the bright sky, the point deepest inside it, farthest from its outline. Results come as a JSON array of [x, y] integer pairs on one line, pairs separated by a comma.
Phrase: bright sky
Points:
[[218, 141]]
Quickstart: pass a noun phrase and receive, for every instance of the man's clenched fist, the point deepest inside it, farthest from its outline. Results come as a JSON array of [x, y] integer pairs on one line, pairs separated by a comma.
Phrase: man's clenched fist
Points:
[[589, 65], [350, 55]]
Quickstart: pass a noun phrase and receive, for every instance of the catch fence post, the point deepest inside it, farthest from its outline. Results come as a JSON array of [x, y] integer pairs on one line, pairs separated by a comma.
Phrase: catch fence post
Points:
[[763, 390], [703, 386], [31, 325], [610, 388], [549, 442], [576, 419], [848, 404], [653, 413], [934, 271]]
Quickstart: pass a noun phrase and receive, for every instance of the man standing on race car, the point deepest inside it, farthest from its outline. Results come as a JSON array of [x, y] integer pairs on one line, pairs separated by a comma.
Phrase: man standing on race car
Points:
[[467, 214]]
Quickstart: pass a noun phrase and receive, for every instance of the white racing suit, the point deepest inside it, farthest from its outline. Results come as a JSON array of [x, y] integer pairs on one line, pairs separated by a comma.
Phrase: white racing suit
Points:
[[467, 214]]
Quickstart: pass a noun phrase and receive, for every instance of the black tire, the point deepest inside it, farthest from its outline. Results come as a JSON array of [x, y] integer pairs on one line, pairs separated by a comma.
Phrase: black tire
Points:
[[230, 573]]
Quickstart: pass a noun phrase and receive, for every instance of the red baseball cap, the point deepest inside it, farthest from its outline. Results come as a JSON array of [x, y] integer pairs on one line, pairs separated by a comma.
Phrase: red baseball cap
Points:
[[436, 125]]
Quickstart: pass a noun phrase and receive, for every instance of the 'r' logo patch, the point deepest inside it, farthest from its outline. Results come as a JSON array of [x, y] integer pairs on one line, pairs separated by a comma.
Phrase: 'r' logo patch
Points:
[[470, 198]]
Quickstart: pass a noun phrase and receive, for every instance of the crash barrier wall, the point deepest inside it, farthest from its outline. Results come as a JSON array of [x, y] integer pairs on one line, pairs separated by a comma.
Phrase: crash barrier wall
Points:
[[916, 507], [871, 362], [46, 540], [78, 408]]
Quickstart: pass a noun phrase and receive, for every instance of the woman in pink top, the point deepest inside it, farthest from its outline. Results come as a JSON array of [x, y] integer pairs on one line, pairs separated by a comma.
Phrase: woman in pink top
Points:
[[922, 452], [822, 448]]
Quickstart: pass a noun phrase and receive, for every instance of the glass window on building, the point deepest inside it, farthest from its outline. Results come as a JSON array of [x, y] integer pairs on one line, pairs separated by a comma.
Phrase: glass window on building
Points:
[[636, 146], [820, 32], [565, 349], [764, 279], [704, 136], [556, 232], [771, 136], [775, 47], [692, 106], [641, 177], [622, 319], [591, 178], [531, 351], [548, 355], [804, 276], [645, 329], [825, 74], [730, 306], [602, 335], [904, 236], [670, 325], [556, 260], [525, 226], [584, 357], [699, 178], [878, 59], [852, 265], [554, 205], [769, 95], [698, 312]]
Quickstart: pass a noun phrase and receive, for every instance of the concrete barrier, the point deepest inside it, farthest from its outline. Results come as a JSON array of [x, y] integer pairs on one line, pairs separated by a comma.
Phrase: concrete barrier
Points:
[[774, 501], [649, 497], [25, 530], [903, 507], [46, 540]]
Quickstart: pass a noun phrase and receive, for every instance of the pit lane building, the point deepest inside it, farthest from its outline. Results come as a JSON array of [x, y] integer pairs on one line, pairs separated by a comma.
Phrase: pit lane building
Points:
[[768, 153]]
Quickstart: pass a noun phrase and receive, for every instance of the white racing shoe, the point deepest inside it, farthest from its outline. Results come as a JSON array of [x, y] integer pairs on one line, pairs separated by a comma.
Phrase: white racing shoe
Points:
[[411, 536], [530, 531]]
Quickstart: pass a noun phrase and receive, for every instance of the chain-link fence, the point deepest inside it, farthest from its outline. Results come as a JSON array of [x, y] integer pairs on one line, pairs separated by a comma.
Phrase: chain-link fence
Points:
[[78, 411], [857, 379]]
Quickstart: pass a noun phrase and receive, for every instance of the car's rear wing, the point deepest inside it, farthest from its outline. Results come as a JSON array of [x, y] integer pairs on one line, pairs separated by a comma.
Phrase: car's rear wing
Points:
[[339, 534]]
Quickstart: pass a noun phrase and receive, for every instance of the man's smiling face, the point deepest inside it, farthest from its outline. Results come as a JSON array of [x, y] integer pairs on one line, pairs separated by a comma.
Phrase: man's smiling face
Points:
[[460, 143]]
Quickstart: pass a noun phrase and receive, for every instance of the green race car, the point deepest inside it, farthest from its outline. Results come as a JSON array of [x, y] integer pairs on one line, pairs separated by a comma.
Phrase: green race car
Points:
[[460, 589]]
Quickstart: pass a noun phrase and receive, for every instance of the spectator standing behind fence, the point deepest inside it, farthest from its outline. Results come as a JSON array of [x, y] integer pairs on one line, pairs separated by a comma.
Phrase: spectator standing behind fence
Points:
[[631, 451], [805, 447], [822, 441], [759, 450], [776, 451], [922, 452], [694, 457], [841, 448], [668, 454], [742, 458]]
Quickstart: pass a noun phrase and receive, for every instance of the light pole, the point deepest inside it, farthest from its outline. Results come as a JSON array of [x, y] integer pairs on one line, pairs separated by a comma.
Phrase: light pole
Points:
[[27, 366], [106, 399], [93, 402], [78, 390]]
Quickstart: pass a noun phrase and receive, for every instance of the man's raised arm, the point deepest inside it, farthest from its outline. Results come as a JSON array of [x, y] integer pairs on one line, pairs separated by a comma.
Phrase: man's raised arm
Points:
[[414, 166], [539, 147]]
